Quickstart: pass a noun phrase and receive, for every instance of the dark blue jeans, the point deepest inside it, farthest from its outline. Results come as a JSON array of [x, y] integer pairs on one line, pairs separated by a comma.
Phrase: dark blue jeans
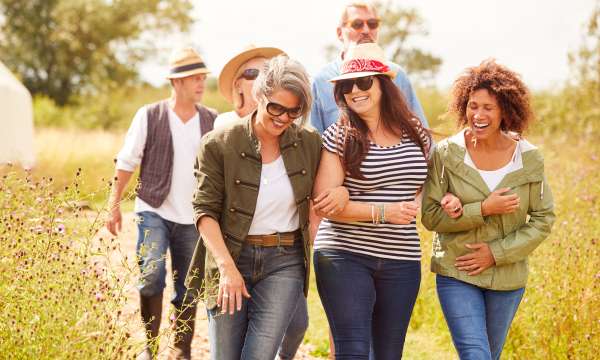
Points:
[[294, 334], [155, 236], [478, 318], [367, 298], [274, 277]]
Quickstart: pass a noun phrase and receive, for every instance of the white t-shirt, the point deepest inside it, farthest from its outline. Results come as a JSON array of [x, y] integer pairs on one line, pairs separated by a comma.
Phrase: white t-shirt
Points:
[[276, 209], [225, 119], [177, 206], [494, 177]]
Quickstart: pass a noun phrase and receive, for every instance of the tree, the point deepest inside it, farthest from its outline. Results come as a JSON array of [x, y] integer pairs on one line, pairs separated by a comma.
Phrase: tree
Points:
[[398, 27], [585, 62], [62, 48]]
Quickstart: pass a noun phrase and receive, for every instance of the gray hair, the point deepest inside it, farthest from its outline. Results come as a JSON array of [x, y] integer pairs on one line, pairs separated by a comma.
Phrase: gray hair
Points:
[[283, 73]]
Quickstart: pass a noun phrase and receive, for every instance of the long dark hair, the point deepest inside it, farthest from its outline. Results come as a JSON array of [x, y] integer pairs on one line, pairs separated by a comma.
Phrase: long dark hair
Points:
[[395, 117]]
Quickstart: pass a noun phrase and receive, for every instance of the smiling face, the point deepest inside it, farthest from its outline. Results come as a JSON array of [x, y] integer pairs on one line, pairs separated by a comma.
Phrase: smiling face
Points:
[[245, 102], [484, 116], [365, 102], [271, 125]]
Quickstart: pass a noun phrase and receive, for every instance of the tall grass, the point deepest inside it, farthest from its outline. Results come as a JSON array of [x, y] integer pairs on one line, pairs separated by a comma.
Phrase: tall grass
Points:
[[58, 299]]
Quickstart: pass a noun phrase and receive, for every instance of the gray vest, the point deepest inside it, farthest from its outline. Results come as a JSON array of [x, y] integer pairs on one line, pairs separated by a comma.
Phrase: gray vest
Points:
[[156, 169]]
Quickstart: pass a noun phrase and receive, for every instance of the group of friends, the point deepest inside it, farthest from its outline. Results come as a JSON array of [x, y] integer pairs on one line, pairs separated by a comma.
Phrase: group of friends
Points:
[[338, 168]]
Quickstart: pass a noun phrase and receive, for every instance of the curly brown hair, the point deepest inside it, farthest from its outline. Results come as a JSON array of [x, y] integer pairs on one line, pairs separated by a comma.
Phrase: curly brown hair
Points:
[[505, 85]]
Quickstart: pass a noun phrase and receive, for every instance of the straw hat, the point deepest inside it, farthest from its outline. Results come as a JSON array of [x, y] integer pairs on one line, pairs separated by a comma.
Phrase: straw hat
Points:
[[185, 62], [364, 60], [226, 77]]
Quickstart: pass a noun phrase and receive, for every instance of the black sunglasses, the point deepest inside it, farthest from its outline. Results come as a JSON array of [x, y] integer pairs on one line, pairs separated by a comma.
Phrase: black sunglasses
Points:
[[363, 83], [276, 109], [249, 74], [358, 24]]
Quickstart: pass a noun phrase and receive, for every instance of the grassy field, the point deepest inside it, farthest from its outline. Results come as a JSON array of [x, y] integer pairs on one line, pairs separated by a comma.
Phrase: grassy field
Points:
[[559, 317]]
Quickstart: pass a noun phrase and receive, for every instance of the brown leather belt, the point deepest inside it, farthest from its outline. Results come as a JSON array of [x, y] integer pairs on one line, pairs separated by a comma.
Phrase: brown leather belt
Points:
[[277, 239]]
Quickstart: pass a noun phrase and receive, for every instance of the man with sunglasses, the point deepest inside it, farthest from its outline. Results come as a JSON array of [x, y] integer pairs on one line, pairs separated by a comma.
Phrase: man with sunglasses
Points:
[[359, 24]]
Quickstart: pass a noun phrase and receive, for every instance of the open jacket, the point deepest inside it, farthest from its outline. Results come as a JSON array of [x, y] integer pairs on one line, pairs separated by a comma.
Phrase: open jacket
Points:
[[511, 237], [228, 170]]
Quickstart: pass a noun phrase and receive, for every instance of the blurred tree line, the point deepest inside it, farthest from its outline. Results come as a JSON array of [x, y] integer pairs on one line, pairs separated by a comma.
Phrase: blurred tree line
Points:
[[65, 48]]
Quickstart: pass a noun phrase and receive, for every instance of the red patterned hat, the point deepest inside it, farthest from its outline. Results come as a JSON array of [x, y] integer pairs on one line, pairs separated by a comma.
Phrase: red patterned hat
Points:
[[364, 60]]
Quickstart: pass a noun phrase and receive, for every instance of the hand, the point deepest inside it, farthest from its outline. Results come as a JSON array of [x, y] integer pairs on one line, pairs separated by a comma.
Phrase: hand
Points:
[[476, 262], [497, 204], [231, 289], [332, 201], [402, 213], [114, 221], [451, 205]]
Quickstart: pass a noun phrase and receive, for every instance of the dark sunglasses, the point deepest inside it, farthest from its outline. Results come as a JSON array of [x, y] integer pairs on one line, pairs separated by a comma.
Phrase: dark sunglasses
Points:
[[358, 24], [363, 83], [276, 109], [249, 74]]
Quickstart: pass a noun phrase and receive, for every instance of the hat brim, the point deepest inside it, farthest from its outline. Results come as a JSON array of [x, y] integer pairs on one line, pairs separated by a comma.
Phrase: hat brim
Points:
[[353, 75], [230, 69], [183, 74]]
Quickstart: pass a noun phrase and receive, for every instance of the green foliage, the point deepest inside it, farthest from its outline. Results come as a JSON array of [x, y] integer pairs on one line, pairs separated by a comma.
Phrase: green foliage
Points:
[[61, 48], [59, 300], [111, 110]]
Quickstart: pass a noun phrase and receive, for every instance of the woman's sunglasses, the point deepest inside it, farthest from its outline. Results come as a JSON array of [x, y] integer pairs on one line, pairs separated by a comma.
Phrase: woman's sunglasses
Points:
[[249, 74], [276, 109], [358, 24], [363, 83]]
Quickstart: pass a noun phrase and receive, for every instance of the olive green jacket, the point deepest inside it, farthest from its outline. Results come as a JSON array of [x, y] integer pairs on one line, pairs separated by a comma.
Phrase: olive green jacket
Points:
[[228, 170], [511, 237]]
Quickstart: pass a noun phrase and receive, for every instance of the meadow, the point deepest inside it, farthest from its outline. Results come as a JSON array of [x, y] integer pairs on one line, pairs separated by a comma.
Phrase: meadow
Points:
[[58, 302]]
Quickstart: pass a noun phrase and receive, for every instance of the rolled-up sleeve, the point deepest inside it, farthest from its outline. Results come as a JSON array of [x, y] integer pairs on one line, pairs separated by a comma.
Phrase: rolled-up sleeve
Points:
[[130, 155], [208, 170]]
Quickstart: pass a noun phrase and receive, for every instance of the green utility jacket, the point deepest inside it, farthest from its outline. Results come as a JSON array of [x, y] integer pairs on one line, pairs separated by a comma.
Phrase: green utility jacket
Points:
[[228, 170], [511, 237]]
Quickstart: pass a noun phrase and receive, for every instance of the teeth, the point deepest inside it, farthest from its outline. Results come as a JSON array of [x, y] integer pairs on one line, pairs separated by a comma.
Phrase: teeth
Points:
[[480, 126], [360, 98]]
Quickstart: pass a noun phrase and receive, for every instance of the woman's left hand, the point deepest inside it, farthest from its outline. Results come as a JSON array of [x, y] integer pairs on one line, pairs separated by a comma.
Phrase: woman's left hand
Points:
[[332, 201], [476, 262]]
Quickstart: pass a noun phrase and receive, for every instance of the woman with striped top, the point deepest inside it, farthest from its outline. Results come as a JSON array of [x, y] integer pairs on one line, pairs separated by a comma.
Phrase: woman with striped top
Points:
[[367, 255]]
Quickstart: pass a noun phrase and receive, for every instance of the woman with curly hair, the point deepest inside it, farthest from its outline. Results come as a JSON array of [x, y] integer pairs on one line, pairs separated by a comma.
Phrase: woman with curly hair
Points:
[[488, 202], [367, 254]]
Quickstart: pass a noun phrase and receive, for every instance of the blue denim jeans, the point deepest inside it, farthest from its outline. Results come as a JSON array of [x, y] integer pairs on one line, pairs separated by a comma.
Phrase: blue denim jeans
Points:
[[478, 318], [274, 277], [155, 236], [368, 302], [294, 334]]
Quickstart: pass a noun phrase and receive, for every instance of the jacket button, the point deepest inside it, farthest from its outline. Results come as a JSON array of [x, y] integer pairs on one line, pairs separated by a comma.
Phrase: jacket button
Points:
[[232, 210], [295, 144], [243, 154], [307, 197], [237, 181], [303, 172]]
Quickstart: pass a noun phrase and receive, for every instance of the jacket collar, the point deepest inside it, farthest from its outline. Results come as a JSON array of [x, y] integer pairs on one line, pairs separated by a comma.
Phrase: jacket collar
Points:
[[532, 169]]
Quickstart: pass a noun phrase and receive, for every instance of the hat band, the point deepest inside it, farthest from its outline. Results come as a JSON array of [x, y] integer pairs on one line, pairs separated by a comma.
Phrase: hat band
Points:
[[360, 65], [188, 67]]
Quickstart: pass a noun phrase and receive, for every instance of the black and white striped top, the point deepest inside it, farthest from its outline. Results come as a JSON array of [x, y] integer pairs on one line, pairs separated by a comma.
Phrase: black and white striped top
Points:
[[392, 174]]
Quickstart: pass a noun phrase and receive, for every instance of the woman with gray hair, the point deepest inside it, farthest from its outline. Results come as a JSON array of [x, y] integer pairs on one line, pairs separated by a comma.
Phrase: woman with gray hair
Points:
[[251, 207]]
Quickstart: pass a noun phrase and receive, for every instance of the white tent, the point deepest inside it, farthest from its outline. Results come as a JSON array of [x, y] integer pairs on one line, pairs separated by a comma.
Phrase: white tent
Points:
[[16, 121]]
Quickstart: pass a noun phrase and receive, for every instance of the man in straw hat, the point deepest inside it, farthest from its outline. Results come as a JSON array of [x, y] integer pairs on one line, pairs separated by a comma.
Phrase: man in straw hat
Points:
[[163, 140], [236, 80], [359, 23]]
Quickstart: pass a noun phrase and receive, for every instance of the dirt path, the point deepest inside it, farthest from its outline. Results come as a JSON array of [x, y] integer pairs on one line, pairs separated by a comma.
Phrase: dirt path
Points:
[[200, 347]]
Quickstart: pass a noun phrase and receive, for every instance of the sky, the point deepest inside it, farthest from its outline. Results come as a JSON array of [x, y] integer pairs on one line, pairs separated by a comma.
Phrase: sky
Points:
[[533, 37]]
